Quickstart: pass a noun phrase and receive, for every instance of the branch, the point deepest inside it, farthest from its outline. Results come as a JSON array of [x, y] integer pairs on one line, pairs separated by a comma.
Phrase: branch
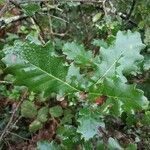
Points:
[[33, 20], [12, 116], [59, 18], [131, 10], [123, 16], [5, 82], [38, 28], [5, 21]]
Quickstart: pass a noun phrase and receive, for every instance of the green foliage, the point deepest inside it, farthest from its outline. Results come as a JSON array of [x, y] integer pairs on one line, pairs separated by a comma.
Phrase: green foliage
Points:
[[41, 69], [89, 123], [131, 120], [123, 57], [67, 117], [43, 114], [146, 118], [88, 127], [77, 53], [81, 73], [131, 147], [13, 94], [66, 131], [100, 43], [31, 9], [44, 145], [113, 144], [27, 64], [126, 94], [35, 126], [28, 109], [56, 111]]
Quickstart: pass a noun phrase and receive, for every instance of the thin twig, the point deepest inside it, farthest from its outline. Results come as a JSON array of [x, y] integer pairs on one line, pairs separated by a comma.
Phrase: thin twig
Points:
[[53, 7], [50, 23], [123, 16], [8, 144], [106, 16], [39, 29], [5, 7], [33, 20], [18, 136], [12, 116], [5, 82], [60, 34], [131, 10], [104, 8], [16, 121], [59, 18], [6, 21]]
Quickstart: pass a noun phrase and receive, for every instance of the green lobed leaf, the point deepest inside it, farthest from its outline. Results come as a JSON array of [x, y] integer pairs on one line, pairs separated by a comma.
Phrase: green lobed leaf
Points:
[[28, 109], [67, 117], [131, 98], [121, 58], [56, 111], [66, 131], [35, 126], [27, 62], [74, 77], [45, 145], [89, 123], [88, 127], [77, 53], [43, 114]]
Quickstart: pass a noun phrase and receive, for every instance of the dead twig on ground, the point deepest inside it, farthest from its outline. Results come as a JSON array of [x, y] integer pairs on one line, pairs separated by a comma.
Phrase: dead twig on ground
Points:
[[6, 21], [5, 82], [12, 116], [4, 8]]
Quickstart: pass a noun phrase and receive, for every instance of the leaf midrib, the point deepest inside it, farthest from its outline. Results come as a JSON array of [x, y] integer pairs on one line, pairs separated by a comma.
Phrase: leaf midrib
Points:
[[106, 72], [50, 75]]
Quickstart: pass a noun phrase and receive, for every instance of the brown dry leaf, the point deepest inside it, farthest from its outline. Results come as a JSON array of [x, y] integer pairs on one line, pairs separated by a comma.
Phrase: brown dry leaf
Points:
[[64, 103]]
